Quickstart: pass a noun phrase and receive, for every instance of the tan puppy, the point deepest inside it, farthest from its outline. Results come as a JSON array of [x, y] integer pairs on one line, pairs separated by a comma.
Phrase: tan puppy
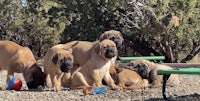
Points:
[[15, 58], [113, 35], [149, 69], [97, 67], [58, 62], [81, 51], [128, 79]]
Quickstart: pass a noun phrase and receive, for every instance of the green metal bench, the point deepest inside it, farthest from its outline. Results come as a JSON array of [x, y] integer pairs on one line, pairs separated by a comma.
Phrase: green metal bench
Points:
[[179, 68], [124, 59], [166, 74]]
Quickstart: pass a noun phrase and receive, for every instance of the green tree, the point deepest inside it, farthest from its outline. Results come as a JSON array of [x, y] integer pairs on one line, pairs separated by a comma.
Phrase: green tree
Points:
[[30, 25], [155, 27], [91, 18], [168, 28]]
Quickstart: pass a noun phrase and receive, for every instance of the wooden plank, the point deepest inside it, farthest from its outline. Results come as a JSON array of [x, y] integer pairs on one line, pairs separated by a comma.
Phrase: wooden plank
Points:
[[190, 70]]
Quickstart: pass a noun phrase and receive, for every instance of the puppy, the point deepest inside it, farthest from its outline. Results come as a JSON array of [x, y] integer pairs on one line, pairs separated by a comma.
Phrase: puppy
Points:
[[97, 67], [81, 51], [58, 62], [128, 79], [148, 70], [15, 58], [113, 35]]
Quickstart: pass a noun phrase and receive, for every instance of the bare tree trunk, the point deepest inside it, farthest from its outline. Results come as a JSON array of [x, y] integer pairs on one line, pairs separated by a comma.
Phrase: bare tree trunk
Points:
[[167, 45], [193, 53]]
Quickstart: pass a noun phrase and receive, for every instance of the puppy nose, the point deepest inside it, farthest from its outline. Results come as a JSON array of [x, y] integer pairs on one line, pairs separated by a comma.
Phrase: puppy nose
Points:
[[63, 60], [110, 51]]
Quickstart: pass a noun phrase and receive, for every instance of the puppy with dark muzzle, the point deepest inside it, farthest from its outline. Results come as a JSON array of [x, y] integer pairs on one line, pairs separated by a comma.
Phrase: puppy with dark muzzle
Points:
[[81, 51], [38, 77], [97, 67], [113, 35], [128, 79], [58, 63], [143, 70], [148, 70], [17, 59]]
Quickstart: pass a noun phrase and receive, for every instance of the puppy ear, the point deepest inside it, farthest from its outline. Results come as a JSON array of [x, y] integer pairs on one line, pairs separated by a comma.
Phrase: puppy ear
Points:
[[130, 64], [68, 49], [98, 48], [120, 34], [103, 36], [55, 58], [119, 69]]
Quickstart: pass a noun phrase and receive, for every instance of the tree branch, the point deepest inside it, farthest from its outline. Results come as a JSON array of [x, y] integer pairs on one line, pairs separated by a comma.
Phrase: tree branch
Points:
[[193, 53]]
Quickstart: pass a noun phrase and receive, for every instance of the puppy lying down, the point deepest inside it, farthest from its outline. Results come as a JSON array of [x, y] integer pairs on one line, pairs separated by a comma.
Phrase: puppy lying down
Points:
[[148, 70], [127, 78]]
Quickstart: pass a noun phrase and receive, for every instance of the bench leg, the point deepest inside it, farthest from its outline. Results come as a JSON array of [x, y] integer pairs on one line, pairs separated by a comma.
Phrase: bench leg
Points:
[[165, 78]]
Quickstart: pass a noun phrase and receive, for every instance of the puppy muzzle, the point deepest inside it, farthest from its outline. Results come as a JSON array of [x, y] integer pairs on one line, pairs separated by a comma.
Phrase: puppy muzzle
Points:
[[143, 71], [118, 43], [110, 53], [66, 65]]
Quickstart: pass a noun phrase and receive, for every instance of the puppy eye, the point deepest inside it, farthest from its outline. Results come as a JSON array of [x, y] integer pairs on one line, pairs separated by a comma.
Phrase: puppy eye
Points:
[[130, 64], [69, 59], [112, 38]]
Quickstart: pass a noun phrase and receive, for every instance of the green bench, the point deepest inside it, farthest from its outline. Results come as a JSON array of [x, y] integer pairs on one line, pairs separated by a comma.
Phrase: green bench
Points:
[[166, 74], [179, 68], [125, 59]]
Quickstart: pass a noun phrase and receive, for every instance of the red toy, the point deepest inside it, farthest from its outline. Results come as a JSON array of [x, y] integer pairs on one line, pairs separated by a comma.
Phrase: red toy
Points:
[[15, 84]]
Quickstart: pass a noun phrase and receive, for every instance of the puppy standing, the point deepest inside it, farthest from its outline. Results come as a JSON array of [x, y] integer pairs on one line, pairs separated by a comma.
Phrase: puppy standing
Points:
[[128, 79], [113, 35], [81, 51], [58, 62], [15, 58], [97, 67], [149, 69]]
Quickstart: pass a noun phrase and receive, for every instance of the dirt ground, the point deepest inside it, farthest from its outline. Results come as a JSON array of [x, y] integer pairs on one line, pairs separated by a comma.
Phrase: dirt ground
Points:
[[188, 90]]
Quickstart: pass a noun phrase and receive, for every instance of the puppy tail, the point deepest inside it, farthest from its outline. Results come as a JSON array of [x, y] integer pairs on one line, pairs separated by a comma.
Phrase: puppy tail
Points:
[[71, 44]]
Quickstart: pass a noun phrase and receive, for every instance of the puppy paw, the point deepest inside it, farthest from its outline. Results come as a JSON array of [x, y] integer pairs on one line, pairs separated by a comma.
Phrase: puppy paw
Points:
[[153, 86], [57, 88], [3, 87], [48, 83], [116, 87]]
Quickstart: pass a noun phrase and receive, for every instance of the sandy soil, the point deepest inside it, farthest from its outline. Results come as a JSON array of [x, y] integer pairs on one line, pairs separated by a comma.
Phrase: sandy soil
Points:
[[188, 90]]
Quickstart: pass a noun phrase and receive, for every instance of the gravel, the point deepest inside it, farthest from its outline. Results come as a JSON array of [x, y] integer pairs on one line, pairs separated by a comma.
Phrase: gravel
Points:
[[188, 90]]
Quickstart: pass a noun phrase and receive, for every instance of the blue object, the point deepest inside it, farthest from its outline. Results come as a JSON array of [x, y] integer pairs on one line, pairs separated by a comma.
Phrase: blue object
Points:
[[90, 90], [11, 83], [15, 84], [98, 90]]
